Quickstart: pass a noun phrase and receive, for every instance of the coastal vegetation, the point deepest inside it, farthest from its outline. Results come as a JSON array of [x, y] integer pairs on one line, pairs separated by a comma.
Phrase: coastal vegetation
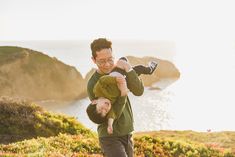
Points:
[[26, 129]]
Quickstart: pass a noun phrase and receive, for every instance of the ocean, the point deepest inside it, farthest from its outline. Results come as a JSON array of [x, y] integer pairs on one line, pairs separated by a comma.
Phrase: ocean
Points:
[[201, 99]]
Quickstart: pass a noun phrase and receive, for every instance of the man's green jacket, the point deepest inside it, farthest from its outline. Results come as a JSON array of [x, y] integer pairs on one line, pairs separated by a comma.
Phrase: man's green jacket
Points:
[[123, 124]]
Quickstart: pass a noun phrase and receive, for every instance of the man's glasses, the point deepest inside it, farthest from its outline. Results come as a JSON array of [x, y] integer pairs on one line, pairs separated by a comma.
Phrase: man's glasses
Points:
[[102, 62]]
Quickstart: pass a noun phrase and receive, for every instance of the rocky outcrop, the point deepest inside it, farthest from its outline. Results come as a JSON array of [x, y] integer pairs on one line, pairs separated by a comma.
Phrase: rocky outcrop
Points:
[[35, 76], [32, 75]]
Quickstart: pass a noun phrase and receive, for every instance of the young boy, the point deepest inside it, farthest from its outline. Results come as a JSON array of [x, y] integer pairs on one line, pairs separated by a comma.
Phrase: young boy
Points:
[[111, 86]]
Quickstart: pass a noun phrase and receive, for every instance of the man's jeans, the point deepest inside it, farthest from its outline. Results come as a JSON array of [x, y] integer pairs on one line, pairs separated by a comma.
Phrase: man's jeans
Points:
[[121, 146]]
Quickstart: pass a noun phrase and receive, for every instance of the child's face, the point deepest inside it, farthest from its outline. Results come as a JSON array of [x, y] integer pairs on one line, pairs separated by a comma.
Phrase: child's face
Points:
[[103, 106]]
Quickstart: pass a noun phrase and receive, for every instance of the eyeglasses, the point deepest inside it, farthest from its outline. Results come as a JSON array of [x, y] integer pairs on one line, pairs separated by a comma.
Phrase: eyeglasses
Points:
[[102, 62]]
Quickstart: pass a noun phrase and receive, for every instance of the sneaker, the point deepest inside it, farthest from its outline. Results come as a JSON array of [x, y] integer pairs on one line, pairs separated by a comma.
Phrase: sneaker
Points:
[[152, 66], [123, 58]]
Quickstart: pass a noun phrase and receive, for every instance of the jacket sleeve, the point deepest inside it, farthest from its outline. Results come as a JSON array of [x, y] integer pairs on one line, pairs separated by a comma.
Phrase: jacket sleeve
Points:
[[119, 106], [111, 114], [134, 83], [90, 92]]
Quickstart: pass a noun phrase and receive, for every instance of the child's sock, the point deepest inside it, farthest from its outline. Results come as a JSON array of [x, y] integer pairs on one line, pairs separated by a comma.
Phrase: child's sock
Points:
[[152, 66]]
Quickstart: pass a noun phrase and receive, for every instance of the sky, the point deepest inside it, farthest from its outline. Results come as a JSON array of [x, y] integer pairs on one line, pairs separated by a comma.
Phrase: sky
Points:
[[203, 32], [198, 27], [123, 19]]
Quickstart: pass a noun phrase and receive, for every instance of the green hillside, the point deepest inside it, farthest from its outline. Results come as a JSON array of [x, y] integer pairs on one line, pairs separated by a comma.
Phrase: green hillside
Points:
[[82, 145], [41, 133], [223, 140], [25, 120]]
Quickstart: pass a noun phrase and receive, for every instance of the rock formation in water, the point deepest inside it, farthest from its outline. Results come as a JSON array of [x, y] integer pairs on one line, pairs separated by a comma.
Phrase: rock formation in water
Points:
[[32, 75], [164, 70]]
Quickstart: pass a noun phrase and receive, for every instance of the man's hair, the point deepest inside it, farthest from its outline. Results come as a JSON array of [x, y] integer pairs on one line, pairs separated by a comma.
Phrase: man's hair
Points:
[[93, 115], [99, 44]]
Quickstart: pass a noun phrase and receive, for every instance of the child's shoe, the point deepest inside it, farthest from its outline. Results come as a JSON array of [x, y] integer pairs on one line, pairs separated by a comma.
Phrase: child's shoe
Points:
[[152, 66]]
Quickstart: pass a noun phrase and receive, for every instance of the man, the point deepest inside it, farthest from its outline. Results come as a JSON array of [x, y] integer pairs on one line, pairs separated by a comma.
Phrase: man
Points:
[[118, 144]]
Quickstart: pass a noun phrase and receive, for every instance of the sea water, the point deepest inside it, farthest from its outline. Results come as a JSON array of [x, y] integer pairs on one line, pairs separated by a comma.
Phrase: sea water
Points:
[[201, 99]]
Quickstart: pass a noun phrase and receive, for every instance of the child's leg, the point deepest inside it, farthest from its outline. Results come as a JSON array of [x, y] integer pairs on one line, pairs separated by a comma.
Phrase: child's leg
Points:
[[140, 69]]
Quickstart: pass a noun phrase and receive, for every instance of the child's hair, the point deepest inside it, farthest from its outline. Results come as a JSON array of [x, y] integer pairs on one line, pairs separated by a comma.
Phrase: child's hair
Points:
[[93, 115], [99, 44]]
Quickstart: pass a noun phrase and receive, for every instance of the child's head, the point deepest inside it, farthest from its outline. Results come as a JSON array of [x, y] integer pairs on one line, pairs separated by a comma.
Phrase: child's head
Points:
[[98, 110], [103, 106]]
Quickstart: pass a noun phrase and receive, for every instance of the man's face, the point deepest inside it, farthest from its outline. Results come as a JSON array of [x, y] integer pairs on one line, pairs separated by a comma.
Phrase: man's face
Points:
[[104, 60], [103, 106]]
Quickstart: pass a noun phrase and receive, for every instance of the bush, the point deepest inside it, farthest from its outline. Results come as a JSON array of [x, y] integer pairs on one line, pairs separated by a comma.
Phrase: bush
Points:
[[24, 120]]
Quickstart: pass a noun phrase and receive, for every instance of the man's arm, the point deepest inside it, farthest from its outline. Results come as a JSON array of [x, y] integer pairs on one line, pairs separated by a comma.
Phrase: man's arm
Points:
[[90, 86], [134, 84]]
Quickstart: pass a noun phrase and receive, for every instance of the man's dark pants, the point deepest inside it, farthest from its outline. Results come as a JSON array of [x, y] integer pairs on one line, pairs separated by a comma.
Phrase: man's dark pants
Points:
[[121, 146]]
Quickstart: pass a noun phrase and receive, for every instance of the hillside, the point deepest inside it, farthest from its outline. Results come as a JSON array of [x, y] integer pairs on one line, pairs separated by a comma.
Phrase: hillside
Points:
[[35, 76], [29, 74], [220, 140], [51, 134], [20, 119]]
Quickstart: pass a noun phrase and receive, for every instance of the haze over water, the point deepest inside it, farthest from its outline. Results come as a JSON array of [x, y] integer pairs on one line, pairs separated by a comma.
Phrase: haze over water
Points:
[[201, 99]]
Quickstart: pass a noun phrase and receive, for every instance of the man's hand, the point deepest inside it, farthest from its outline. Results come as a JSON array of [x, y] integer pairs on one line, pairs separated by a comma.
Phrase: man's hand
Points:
[[123, 65], [121, 83]]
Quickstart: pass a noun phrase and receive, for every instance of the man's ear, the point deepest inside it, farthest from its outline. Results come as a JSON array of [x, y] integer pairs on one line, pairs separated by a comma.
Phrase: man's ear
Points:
[[93, 59]]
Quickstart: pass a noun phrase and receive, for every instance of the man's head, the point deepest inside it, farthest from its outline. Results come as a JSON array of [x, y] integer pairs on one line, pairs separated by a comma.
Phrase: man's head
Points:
[[98, 110], [102, 55]]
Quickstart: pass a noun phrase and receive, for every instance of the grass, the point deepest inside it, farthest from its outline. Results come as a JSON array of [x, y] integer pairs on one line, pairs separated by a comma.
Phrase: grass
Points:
[[10, 53], [80, 145], [47, 134], [34, 59], [25, 120], [225, 139]]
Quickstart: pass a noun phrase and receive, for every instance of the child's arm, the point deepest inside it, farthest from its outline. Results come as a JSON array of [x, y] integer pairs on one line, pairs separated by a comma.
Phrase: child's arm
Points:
[[111, 114], [122, 86], [120, 102]]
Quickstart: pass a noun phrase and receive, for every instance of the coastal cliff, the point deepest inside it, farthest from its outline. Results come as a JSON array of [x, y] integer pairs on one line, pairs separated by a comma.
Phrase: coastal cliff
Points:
[[32, 75]]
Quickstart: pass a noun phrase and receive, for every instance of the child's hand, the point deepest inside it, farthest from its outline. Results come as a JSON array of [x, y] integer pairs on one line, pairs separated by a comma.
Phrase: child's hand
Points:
[[110, 130], [123, 65], [121, 83]]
